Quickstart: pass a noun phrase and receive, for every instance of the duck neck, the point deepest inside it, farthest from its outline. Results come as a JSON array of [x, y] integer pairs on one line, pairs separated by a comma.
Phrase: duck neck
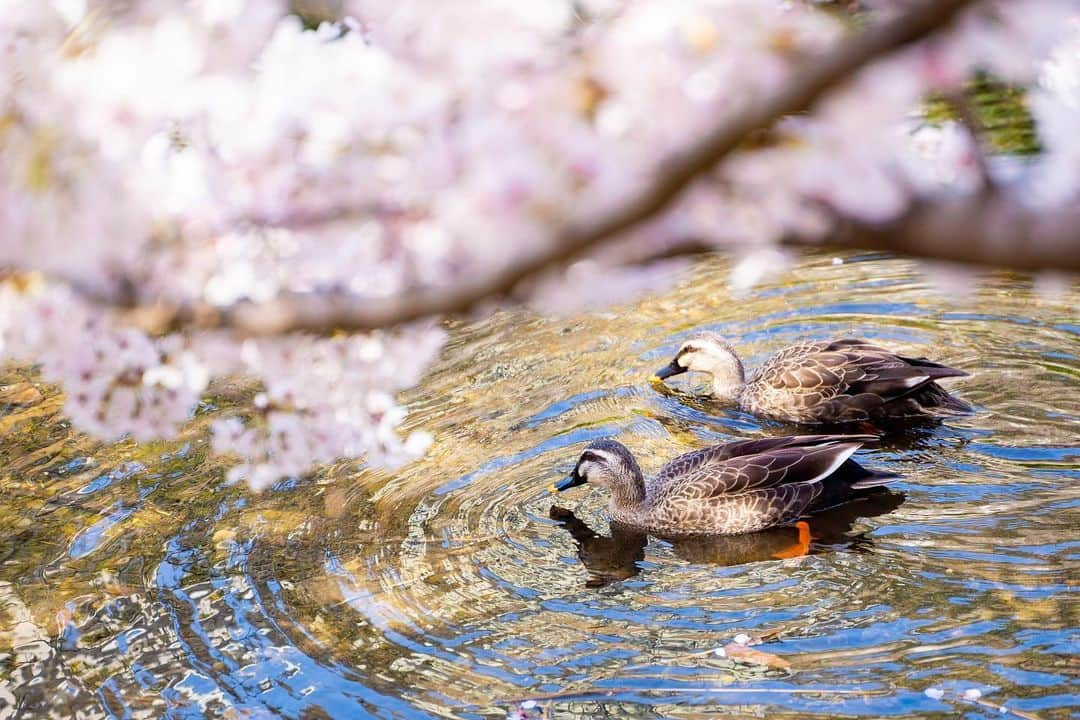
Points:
[[629, 492], [727, 390], [728, 377]]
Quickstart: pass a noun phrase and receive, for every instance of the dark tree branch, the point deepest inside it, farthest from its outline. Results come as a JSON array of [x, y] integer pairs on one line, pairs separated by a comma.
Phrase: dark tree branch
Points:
[[322, 313]]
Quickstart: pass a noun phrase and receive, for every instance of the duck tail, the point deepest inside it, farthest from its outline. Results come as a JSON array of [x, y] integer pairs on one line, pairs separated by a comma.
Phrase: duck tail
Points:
[[851, 480], [934, 397], [874, 479], [858, 477]]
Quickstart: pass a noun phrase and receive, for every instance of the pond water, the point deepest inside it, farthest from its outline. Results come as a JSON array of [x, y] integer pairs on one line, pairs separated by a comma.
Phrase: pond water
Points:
[[133, 583]]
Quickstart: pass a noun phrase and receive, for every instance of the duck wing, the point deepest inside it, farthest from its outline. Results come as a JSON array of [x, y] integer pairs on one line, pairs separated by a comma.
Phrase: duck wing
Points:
[[764, 470], [840, 380], [693, 461]]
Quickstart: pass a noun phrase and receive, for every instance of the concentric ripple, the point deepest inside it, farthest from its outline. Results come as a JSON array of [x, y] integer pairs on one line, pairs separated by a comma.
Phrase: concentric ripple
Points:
[[135, 584]]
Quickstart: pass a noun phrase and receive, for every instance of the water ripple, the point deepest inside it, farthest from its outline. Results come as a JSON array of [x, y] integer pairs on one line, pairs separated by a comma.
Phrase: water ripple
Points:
[[135, 584]]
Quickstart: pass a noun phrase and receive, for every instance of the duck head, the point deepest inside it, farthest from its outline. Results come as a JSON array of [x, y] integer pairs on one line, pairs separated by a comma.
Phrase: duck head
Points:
[[709, 353], [609, 464]]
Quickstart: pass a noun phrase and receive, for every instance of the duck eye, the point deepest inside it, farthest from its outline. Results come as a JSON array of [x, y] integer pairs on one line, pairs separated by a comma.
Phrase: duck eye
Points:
[[684, 352], [587, 457]]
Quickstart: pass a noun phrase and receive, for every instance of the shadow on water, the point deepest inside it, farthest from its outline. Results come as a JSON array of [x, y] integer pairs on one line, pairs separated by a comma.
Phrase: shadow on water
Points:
[[619, 554]]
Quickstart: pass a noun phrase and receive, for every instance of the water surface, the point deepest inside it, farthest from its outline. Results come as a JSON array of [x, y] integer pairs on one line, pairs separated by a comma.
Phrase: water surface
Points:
[[133, 583]]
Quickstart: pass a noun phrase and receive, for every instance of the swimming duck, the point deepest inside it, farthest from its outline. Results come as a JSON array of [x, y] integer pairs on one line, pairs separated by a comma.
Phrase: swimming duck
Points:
[[619, 554], [833, 381], [739, 487]]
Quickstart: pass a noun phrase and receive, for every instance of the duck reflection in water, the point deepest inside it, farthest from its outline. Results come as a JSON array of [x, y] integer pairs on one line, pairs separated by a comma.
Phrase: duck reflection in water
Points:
[[614, 557]]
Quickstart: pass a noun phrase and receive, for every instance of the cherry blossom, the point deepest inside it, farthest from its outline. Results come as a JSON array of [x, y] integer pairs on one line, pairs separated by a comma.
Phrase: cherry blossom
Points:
[[209, 153]]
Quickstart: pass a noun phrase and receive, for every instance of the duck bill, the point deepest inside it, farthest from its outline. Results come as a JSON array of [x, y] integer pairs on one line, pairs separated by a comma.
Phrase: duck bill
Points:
[[669, 370], [566, 483]]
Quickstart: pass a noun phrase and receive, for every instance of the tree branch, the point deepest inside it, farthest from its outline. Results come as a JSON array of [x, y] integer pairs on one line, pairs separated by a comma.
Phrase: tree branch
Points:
[[987, 229], [321, 313]]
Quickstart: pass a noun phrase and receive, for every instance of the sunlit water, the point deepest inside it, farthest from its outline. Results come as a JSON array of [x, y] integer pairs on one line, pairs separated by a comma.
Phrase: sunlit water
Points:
[[134, 584]]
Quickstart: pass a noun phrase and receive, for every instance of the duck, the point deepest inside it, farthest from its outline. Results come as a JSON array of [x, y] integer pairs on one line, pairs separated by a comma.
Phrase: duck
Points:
[[848, 380], [738, 487], [620, 554]]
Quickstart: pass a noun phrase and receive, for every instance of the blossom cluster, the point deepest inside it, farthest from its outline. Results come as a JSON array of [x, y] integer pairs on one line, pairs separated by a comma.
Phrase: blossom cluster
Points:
[[219, 151]]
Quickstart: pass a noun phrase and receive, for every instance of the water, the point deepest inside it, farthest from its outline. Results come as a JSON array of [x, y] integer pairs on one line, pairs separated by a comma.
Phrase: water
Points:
[[133, 584]]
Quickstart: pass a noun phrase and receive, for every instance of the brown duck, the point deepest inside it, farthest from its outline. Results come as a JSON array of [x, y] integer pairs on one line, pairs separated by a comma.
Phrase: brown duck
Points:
[[728, 489], [619, 554], [833, 381]]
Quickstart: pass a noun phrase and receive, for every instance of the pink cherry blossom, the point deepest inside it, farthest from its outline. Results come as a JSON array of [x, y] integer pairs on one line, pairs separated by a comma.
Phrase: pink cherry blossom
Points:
[[213, 152]]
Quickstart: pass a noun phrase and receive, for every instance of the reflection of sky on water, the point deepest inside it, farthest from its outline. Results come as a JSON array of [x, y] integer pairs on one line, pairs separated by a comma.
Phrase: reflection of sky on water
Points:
[[134, 584]]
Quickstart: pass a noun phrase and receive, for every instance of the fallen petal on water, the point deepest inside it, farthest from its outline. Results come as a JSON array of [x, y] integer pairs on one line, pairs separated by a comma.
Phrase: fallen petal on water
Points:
[[749, 656]]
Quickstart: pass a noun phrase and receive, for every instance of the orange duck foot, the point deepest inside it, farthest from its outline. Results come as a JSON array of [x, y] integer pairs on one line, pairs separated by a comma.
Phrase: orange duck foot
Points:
[[801, 546]]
